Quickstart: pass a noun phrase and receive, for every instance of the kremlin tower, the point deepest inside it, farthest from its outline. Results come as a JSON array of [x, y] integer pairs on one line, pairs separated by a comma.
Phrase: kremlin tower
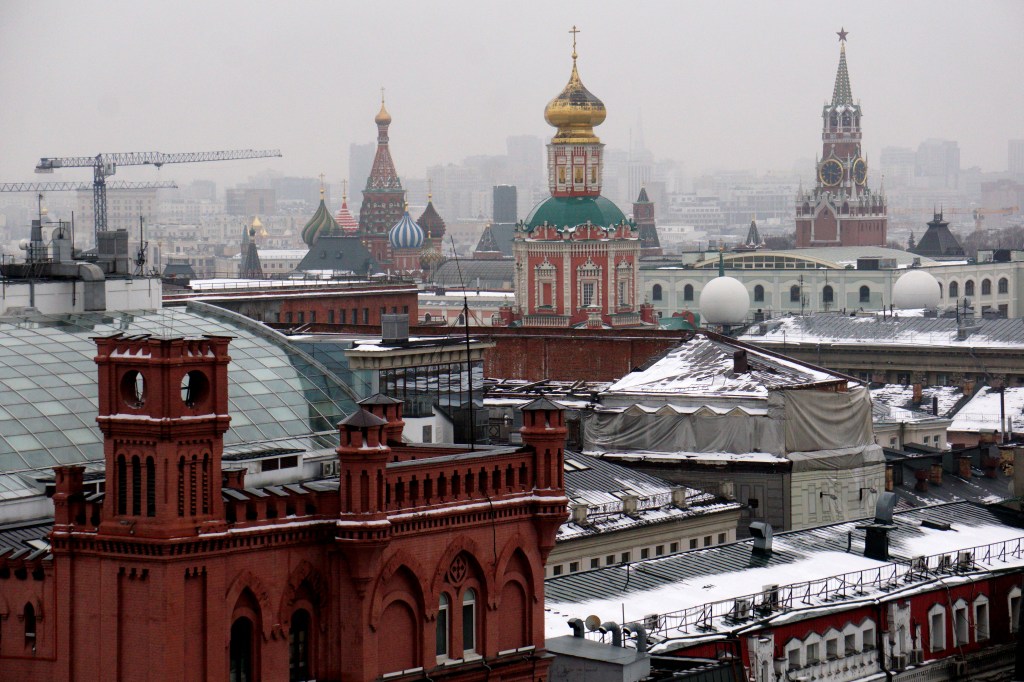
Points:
[[383, 198], [841, 210], [576, 253]]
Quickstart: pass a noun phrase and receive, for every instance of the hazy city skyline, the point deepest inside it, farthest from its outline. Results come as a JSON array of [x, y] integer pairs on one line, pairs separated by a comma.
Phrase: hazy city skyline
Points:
[[717, 86]]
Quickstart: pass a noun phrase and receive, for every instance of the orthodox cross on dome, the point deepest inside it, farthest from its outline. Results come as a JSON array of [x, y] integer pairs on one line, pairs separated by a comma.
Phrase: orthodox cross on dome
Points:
[[574, 31], [322, 185], [430, 190], [344, 190], [842, 33], [382, 94]]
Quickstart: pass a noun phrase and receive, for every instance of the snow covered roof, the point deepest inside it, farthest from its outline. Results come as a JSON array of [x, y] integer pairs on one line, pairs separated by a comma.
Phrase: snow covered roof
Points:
[[908, 330], [693, 592], [982, 412], [602, 485], [898, 399], [704, 366]]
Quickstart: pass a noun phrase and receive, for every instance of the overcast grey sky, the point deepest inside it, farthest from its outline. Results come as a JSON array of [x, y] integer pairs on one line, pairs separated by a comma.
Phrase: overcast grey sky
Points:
[[719, 84]]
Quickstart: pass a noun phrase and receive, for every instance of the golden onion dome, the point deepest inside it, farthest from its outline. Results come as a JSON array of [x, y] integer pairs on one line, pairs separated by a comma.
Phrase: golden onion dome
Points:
[[382, 117], [575, 111]]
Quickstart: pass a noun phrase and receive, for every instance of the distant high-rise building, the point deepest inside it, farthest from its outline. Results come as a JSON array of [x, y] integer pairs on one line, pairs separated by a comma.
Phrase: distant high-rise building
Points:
[[247, 202], [841, 210], [526, 169], [939, 162], [898, 166], [1015, 157], [360, 161], [505, 204]]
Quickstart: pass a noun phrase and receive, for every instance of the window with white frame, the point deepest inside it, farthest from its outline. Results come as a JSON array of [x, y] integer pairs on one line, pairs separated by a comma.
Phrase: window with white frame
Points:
[[624, 277], [793, 655], [1013, 602], [937, 628], [961, 625], [850, 643], [867, 637], [544, 282], [812, 653], [443, 619], [981, 618], [588, 278], [832, 648], [469, 622]]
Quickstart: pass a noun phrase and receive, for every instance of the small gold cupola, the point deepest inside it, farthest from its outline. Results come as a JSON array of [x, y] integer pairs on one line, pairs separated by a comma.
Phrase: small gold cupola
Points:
[[575, 111]]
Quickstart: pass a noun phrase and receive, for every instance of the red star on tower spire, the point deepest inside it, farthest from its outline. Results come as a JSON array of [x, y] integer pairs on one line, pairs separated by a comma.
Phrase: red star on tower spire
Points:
[[842, 35]]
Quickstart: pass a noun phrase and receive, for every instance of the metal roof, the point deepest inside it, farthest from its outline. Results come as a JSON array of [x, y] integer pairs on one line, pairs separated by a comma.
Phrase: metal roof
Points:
[[901, 329]]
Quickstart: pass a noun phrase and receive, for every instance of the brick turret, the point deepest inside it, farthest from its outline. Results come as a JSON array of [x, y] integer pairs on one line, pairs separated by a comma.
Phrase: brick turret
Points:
[[544, 432], [163, 411], [390, 410]]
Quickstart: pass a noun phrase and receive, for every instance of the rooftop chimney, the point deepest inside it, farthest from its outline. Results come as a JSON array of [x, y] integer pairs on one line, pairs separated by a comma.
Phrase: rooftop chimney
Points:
[[876, 540], [762, 534], [739, 362]]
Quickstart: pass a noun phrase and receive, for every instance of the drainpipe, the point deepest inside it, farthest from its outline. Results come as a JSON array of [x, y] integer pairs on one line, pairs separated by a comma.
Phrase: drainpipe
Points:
[[880, 640]]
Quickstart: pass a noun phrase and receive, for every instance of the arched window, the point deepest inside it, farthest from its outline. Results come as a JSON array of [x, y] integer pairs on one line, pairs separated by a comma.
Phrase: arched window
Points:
[[865, 294], [426, 318], [827, 295], [150, 487], [443, 626], [986, 287], [1004, 286], [656, 292], [794, 294], [241, 651], [469, 621], [969, 288], [688, 292], [298, 647], [461, 319], [758, 294], [954, 290], [29, 616], [136, 487], [122, 486]]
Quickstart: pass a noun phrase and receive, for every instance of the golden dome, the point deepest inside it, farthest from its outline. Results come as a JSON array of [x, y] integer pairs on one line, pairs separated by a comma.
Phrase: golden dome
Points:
[[575, 111], [382, 117]]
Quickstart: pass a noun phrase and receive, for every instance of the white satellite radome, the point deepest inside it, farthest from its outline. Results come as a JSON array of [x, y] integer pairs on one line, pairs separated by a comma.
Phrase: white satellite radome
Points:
[[916, 289], [724, 300]]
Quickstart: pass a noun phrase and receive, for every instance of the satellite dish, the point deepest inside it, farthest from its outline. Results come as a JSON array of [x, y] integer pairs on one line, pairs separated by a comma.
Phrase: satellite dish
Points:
[[23, 245], [592, 623]]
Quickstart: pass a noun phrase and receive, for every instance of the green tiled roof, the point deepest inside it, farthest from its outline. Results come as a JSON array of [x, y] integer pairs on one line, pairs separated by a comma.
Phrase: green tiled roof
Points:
[[572, 211]]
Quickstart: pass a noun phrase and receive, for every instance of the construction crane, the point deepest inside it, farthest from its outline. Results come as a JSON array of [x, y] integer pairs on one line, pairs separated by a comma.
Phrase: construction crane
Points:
[[105, 165], [72, 186]]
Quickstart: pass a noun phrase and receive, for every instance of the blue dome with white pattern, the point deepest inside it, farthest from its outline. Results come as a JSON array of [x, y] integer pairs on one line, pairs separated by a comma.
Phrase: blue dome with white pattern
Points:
[[406, 234]]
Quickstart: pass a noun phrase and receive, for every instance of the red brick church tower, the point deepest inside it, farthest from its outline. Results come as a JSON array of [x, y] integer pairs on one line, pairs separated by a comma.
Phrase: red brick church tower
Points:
[[414, 562], [841, 210], [577, 256], [383, 199]]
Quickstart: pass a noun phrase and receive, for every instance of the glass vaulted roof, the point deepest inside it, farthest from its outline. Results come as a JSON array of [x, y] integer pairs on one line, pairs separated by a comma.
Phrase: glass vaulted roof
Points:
[[48, 391]]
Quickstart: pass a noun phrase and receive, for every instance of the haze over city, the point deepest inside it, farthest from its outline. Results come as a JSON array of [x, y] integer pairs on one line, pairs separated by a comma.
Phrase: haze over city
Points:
[[717, 86]]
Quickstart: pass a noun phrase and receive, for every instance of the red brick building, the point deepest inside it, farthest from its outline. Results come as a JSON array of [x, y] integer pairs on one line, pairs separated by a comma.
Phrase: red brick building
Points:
[[413, 562], [577, 256], [841, 210], [360, 304]]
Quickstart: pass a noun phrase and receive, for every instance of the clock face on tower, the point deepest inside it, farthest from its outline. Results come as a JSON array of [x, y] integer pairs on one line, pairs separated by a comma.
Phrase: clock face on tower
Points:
[[860, 171], [831, 172]]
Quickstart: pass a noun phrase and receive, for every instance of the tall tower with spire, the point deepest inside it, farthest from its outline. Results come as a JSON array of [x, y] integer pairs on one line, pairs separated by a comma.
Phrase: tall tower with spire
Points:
[[841, 210], [383, 199]]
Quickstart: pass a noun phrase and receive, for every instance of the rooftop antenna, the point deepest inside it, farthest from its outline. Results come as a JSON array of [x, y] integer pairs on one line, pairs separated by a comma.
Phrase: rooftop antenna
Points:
[[469, 360], [140, 256]]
